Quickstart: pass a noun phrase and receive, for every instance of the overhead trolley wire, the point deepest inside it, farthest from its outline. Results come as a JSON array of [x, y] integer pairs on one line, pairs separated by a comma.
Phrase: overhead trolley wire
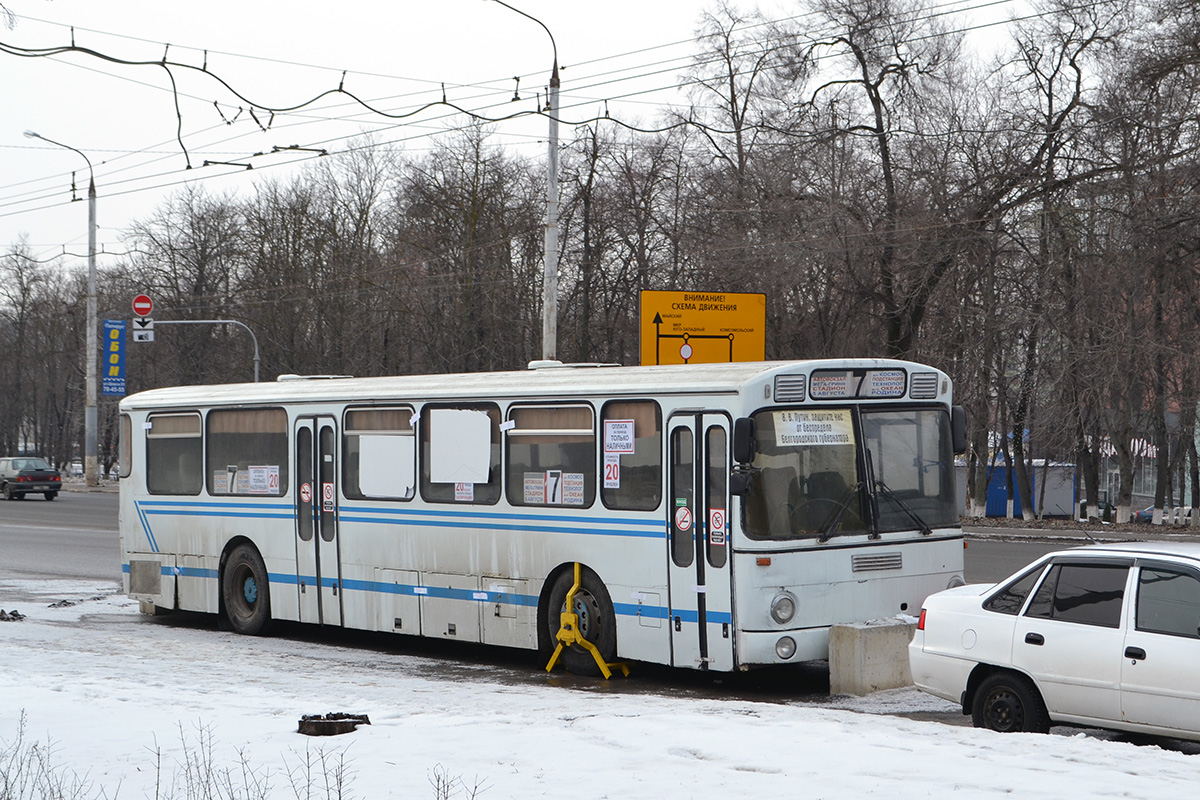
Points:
[[394, 118]]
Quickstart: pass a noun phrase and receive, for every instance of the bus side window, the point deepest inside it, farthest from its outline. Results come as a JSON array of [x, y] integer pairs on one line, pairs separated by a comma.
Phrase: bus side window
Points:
[[551, 456], [173, 446], [631, 455], [125, 445], [247, 451], [460, 453], [379, 454]]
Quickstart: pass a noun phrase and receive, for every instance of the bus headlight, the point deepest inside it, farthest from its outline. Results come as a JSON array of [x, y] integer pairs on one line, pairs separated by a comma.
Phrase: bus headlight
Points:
[[785, 648], [783, 608]]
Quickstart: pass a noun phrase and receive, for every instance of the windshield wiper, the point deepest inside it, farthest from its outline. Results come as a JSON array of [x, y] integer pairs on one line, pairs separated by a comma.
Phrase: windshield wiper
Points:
[[905, 507], [835, 522]]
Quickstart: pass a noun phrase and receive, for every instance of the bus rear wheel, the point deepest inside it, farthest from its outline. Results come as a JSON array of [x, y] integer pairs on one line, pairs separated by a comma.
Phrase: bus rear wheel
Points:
[[597, 621], [245, 592]]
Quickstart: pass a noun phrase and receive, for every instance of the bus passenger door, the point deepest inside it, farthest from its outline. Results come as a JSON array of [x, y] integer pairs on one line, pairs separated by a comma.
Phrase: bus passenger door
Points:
[[698, 506], [317, 564]]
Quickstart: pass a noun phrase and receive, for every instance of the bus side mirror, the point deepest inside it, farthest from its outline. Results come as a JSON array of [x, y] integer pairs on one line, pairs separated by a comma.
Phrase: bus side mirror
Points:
[[958, 429], [739, 483], [744, 446]]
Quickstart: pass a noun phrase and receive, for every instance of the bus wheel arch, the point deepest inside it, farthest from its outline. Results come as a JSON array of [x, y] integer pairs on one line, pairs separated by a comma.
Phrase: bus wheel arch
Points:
[[245, 594], [597, 618]]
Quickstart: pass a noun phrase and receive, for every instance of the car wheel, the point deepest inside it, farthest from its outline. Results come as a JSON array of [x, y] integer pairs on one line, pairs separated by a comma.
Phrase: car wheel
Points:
[[51, 495], [9, 494], [1009, 703]]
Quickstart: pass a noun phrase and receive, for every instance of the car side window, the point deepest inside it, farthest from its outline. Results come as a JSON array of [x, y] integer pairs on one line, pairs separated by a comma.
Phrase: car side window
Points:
[[1010, 599], [1168, 602], [1087, 594]]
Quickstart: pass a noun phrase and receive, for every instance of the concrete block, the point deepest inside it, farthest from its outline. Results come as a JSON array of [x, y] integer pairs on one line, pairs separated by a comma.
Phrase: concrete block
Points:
[[870, 656]]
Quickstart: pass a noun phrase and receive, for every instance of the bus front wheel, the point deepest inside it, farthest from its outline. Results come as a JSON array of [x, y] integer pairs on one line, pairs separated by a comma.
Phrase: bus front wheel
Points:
[[245, 591], [597, 621]]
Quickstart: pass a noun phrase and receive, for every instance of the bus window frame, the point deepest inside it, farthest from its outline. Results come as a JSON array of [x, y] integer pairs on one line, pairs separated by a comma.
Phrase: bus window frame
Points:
[[661, 435], [150, 436], [285, 455], [347, 431], [590, 478], [426, 485]]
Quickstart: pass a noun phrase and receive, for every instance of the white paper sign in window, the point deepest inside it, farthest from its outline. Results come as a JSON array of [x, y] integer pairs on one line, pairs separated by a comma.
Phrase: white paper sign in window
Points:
[[618, 436], [460, 445], [386, 467], [809, 428]]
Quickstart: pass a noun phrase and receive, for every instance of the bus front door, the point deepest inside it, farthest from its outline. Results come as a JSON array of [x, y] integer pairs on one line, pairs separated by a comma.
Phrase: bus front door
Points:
[[318, 575], [701, 594]]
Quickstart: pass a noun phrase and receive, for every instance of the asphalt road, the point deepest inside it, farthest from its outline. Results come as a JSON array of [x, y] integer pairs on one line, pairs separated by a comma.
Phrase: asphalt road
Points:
[[990, 558], [75, 536]]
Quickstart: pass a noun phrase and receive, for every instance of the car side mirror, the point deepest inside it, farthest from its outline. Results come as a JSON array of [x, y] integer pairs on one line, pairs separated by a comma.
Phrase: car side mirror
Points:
[[958, 429], [744, 444]]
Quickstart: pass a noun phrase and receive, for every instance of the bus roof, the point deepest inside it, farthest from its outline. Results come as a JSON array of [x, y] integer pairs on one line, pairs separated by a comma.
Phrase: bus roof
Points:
[[566, 380]]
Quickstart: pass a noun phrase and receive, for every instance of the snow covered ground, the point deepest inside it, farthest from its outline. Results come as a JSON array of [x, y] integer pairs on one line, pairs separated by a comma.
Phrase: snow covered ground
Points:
[[139, 707]]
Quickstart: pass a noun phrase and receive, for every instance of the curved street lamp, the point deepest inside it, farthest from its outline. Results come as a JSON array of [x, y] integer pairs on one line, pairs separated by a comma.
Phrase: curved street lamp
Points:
[[90, 420], [550, 276]]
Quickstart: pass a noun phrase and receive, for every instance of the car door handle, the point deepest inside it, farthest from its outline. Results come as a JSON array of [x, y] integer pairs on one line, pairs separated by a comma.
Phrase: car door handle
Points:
[[1136, 653], [1035, 638]]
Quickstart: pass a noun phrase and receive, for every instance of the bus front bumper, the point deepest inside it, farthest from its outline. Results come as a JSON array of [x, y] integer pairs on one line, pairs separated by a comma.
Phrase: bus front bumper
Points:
[[765, 648]]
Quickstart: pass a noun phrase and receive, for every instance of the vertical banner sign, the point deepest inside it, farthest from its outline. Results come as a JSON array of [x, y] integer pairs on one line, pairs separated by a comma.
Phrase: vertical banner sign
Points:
[[113, 374]]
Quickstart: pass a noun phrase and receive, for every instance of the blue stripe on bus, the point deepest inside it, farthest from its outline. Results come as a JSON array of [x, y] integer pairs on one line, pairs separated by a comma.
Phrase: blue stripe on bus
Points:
[[660, 612], [429, 518], [146, 528], [210, 504], [559, 518], [184, 572], [599, 527], [445, 593]]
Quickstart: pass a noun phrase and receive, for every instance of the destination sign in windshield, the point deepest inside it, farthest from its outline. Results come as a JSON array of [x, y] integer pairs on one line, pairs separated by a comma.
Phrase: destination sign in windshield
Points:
[[827, 384]]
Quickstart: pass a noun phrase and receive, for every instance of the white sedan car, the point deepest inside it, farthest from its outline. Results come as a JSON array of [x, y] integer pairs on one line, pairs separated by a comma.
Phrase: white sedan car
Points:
[[1105, 636]]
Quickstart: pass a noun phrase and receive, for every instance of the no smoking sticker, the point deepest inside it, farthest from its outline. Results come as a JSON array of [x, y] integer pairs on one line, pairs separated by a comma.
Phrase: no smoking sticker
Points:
[[716, 526], [306, 492], [683, 518]]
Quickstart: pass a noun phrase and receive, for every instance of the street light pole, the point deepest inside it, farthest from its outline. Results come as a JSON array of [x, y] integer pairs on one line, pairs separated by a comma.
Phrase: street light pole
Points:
[[91, 416], [550, 276]]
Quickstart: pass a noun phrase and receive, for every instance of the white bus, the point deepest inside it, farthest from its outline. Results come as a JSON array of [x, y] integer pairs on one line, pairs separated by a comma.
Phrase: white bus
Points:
[[725, 515]]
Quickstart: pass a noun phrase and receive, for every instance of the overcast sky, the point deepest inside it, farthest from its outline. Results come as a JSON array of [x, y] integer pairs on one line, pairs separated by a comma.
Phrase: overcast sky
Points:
[[398, 54]]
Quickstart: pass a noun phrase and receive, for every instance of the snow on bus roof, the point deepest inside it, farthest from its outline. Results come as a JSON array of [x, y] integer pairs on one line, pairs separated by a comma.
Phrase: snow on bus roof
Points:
[[544, 380]]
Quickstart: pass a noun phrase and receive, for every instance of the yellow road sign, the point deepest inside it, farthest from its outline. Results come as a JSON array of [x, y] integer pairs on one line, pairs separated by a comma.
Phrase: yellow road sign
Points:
[[703, 327]]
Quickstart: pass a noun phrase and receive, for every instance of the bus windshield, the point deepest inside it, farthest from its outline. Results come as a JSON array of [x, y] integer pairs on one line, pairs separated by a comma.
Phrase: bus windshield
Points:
[[806, 475], [813, 474], [912, 468]]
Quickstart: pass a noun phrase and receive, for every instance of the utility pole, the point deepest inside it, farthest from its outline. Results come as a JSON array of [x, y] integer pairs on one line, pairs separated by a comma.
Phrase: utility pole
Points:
[[550, 257], [91, 419]]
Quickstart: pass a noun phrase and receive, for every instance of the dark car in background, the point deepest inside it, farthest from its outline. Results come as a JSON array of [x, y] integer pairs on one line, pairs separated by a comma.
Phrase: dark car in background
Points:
[[21, 475]]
